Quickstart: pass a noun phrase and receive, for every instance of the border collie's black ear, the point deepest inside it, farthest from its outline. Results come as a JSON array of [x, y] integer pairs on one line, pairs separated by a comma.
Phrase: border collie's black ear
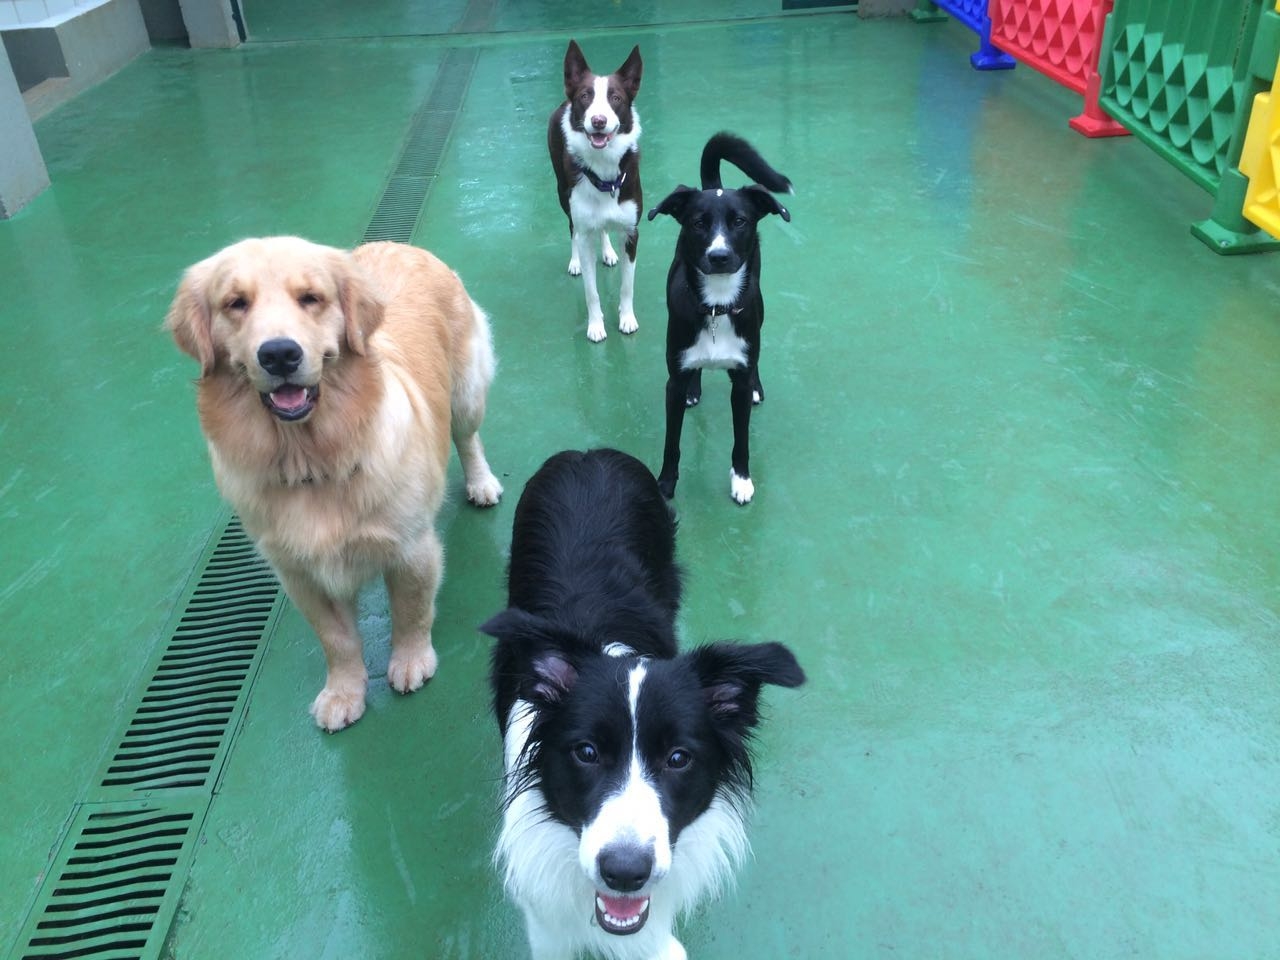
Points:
[[629, 72], [575, 65], [765, 202], [673, 206], [527, 648], [733, 673]]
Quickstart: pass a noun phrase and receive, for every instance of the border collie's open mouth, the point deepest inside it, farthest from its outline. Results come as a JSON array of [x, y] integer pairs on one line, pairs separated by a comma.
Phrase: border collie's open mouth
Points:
[[291, 401], [621, 915], [599, 140]]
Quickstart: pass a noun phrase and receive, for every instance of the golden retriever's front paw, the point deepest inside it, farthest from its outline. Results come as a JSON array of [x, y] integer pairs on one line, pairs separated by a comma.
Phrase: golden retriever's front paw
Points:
[[409, 670], [484, 492], [335, 709]]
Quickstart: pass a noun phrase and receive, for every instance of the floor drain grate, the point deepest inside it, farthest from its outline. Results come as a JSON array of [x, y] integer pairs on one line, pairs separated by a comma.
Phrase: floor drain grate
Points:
[[396, 215], [179, 733], [112, 891]]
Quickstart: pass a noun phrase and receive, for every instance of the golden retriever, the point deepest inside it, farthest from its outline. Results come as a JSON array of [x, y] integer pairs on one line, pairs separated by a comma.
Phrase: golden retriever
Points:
[[330, 384]]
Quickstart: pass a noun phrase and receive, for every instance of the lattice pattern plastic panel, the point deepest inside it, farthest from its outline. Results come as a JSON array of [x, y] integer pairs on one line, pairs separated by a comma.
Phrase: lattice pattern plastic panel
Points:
[[1260, 156], [973, 14], [1059, 38], [1170, 73]]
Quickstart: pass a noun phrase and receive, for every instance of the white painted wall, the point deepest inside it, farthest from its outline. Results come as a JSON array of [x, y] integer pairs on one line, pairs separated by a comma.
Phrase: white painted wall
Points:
[[41, 13]]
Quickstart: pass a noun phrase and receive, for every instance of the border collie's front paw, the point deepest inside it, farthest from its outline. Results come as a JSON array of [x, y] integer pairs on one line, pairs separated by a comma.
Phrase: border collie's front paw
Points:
[[596, 331], [575, 268], [741, 488], [628, 323], [607, 255]]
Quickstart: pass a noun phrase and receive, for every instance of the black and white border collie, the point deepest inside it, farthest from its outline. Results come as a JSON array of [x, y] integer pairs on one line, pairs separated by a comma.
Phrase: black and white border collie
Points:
[[714, 306], [594, 139], [627, 764]]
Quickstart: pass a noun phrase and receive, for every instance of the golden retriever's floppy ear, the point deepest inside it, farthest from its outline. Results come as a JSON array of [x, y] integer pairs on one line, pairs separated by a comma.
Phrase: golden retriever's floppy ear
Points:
[[362, 306], [189, 319]]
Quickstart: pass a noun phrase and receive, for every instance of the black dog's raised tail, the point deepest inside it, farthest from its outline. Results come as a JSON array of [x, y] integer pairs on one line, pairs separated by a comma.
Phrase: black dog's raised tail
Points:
[[727, 146]]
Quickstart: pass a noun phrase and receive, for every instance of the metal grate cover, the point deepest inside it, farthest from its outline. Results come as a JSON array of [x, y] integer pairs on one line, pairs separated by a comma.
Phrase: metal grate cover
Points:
[[397, 212], [112, 891], [178, 736]]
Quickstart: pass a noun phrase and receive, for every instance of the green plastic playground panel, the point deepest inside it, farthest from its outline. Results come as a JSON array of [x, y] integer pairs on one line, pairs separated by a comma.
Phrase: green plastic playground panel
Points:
[[1173, 74]]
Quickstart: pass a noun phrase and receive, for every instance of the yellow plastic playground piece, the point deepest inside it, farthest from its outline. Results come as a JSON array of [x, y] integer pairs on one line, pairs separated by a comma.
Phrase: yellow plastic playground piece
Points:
[[1260, 159]]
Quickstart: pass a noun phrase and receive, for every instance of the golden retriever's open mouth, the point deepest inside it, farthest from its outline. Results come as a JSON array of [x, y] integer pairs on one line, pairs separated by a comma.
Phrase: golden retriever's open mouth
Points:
[[291, 401]]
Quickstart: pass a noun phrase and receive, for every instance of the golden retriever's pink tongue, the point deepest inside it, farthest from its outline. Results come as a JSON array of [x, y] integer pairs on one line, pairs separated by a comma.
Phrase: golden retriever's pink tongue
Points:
[[289, 397]]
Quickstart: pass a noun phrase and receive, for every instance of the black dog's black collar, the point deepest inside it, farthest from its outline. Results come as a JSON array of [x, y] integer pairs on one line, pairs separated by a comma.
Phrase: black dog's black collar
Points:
[[604, 186], [721, 310]]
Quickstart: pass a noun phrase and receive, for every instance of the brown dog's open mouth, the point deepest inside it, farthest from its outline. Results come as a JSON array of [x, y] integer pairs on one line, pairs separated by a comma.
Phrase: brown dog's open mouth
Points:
[[291, 401], [600, 140], [621, 915]]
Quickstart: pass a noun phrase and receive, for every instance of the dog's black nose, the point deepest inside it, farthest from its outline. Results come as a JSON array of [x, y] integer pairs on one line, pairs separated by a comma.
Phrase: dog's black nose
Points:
[[625, 867], [280, 356], [719, 259], [599, 121]]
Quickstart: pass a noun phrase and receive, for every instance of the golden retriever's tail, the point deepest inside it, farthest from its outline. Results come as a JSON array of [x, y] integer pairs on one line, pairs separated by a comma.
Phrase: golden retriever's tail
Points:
[[470, 393]]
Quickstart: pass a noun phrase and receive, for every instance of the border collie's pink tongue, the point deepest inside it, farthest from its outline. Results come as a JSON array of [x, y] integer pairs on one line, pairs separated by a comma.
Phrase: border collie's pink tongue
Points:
[[289, 397], [621, 914], [600, 140]]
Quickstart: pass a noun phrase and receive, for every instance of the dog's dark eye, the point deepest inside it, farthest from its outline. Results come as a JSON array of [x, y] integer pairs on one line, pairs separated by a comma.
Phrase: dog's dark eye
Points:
[[739, 221], [700, 223], [586, 753], [679, 759], [237, 303], [586, 96], [309, 299]]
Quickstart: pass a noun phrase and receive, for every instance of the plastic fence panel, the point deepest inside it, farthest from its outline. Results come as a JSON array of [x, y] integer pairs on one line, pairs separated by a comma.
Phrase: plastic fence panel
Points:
[[1055, 37], [1181, 77], [1260, 162], [973, 14], [1169, 74], [1260, 155], [1059, 38]]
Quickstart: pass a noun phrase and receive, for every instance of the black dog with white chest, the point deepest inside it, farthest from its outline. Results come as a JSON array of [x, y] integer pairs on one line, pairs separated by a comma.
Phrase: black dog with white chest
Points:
[[627, 764], [714, 306]]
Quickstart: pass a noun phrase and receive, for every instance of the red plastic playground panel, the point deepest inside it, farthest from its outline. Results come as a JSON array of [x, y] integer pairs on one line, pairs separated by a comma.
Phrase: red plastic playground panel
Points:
[[1059, 38]]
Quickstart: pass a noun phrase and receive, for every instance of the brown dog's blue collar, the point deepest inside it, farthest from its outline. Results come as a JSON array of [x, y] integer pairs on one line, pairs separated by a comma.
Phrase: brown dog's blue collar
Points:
[[604, 186]]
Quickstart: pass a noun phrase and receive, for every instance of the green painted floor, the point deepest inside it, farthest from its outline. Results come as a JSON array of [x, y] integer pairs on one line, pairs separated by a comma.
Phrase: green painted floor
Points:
[[1016, 481]]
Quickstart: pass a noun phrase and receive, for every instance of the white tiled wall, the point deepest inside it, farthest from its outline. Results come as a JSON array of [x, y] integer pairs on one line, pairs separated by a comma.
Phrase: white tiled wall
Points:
[[41, 13]]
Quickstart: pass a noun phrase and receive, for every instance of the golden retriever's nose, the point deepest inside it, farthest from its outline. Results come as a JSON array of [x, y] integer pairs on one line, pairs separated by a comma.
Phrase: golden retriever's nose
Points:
[[280, 356]]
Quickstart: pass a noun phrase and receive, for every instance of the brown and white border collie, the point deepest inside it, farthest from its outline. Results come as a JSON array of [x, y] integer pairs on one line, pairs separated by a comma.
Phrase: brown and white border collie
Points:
[[594, 139]]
